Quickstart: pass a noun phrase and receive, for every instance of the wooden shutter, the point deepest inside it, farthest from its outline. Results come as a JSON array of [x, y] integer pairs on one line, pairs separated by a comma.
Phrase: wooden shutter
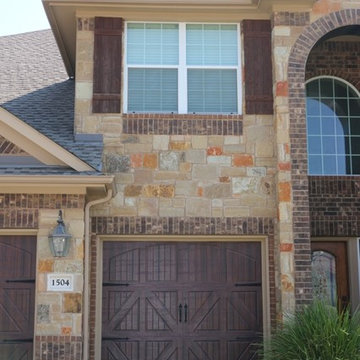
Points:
[[107, 65], [258, 67]]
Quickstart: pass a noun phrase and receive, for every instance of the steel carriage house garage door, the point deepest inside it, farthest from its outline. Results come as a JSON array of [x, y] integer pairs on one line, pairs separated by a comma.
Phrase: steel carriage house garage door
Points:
[[193, 301]]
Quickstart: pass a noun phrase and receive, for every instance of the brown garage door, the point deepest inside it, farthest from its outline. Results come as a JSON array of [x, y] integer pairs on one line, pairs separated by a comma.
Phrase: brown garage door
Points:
[[17, 289], [181, 301]]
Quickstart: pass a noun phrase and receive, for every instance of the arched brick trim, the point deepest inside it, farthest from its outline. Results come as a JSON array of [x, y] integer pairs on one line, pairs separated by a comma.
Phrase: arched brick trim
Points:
[[337, 73], [300, 187]]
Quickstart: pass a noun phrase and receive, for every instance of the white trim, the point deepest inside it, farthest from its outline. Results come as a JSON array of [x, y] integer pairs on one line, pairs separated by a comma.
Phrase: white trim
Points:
[[182, 67]]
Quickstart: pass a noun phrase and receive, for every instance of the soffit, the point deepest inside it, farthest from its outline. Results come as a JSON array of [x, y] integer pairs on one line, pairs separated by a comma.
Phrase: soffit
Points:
[[62, 14]]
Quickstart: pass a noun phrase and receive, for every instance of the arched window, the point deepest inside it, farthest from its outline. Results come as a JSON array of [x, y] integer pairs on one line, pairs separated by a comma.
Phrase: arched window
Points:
[[333, 127]]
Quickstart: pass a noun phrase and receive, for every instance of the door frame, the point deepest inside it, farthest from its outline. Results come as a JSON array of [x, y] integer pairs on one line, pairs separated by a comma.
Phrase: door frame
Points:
[[353, 265], [34, 233], [263, 240]]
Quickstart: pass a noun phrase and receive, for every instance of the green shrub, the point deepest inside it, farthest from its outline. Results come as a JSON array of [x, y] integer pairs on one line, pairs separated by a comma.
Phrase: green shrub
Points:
[[318, 332]]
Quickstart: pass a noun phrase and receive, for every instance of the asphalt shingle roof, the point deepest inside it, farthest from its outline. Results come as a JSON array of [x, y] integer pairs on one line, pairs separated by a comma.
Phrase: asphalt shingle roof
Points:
[[34, 87]]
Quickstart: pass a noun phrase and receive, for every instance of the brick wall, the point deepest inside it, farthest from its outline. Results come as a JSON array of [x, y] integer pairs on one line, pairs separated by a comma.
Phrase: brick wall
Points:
[[334, 205], [336, 58]]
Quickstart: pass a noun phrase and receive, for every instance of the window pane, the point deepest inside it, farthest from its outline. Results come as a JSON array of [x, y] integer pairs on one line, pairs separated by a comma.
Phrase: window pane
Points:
[[312, 89], [355, 145], [211, 45], [326, 88], [328, 125], [152, 44], [313, 125], [354, 105], [312, 107], [212, 91], [328, 145], [343, 164], [355, 126], [314, 145], [341, 147], [340, 89], [342, 126], [329, 164], [356, 164], [152, 90], [315, 164]]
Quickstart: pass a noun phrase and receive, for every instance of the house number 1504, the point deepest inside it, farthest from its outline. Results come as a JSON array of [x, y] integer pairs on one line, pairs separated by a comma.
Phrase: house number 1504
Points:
[[60, 282]]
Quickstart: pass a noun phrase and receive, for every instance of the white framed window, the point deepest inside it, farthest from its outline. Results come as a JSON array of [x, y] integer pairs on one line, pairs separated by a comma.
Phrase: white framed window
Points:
[[182, 68], [333, 127]]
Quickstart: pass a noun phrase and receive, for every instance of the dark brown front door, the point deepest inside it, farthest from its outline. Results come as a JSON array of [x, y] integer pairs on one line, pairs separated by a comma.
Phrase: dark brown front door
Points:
[[17, 295], [330, 272], [181, 301]]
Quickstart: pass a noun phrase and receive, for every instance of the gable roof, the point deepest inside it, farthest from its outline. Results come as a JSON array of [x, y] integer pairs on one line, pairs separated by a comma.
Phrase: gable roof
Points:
[[35, 88]]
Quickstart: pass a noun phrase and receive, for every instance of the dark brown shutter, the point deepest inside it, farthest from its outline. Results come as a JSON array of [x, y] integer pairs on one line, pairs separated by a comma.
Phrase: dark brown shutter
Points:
[[258, 67], [107, 65]]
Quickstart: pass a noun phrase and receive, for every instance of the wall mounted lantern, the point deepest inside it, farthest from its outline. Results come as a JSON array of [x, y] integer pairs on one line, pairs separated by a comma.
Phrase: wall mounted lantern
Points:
[[59, 239]]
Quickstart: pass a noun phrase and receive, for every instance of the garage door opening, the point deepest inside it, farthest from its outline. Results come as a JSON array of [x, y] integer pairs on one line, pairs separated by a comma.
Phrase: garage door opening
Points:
[[181, 300]]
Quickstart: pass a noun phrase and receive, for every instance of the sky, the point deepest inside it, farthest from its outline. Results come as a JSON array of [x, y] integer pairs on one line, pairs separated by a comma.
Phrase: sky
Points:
[[18, 16]]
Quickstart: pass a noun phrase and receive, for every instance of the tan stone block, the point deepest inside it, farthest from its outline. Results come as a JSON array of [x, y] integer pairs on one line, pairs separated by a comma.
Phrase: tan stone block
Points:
[[124, 211], [150, 161], [263, 212], [166, 191], [132, 190], [205, 172], [266, 162], [234, 149], [179, 145], [43, 249], [179, 202], [199, 142], [48, 329], [196, 156], [91, 125], [72, 302], [76, 228], [143, 176], [284, 189], [41, 282], [84, 71], [187, 188], [78, 283], [165, 202], [217, 203], [198, 207], [170, 176], [232, 171], [252, 200], [172, 212], [215, 141], [232, 140], [83, 107], [217, 212], [148, 207], [45, 266], [236, 211], [281, 31], [83, 90], [111, 129], [161, 142], [68, 266], [185, 167], [218, 191], [138, 148], [124, 178], [130, 202], [77, 325]]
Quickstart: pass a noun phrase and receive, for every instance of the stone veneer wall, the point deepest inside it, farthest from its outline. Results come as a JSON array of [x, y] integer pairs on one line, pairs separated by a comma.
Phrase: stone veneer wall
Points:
[[58, 315], [181, 226]]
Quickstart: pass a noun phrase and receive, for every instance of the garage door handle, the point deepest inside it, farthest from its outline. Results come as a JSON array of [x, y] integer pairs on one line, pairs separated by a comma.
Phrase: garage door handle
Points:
[[248, 284], [180, 312], [20, 281], [185, 308]]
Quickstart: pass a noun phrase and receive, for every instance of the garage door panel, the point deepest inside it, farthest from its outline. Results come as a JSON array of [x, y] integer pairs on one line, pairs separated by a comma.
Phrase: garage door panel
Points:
[[243, 311], [198, 309], [120, 350], [17, 296]]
